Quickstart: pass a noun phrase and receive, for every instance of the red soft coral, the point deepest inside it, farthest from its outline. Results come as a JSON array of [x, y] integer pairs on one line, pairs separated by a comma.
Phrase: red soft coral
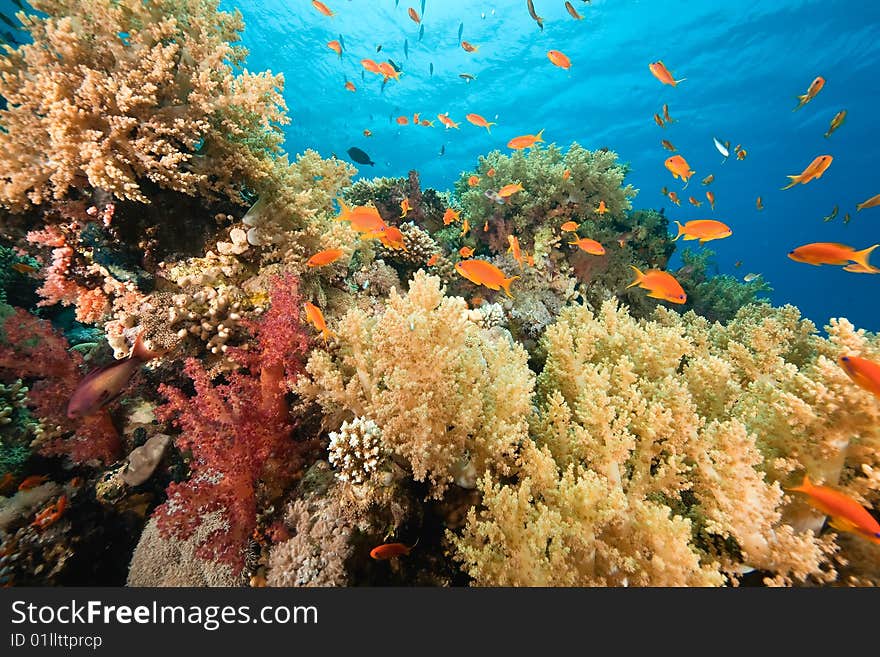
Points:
[[238, 432], [30, 349]]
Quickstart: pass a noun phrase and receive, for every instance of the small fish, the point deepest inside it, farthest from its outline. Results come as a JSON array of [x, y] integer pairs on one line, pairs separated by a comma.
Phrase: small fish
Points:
[[510, 190], [414, 15], [667, 145], [486, 226], [433, 260], [460, 30], [451, 216], [391, 550], [659, 121], [721, 149], [404, 207], [660, 284], [711, 198], [324, 257], [759, 204], [694, 202], [590, 246], [741, 153], [704, 230], [406, 48], [480, 122], [421, 32], [427, 123], [371, 66], [679, 168], [846, 514], [748, 278], [402, 120], [538, 19], [431, 68], [815, 87], [388, 71], [872, 202], [32, 482], [446, 121], [324, 9], [708, 180], [526, 141], [316, 318], [601, 208], [467, 77], [22, 268], [473, 181], [515, 249], [831, 253], [663, 74], [485, 273], [465, 228], [101, 386], [350, 85], [469, 47], [336, 47], [391, 238], [559, 59], [836, 122], [813, 171], [566, 174], [491, 172], [569, 226], [363, 219], [442, 150], [416, 117], [423, 7], [492, 195], [367, 132], [51, 514], [674, 198], [359, 156], [379, 48], [342, 42], [738, 264], [466, 252], [666, 116], [846, 218], [832, 216], [572, 11]]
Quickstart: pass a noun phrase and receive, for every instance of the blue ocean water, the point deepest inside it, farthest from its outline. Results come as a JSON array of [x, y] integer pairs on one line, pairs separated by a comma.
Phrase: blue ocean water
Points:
[[744, 62]]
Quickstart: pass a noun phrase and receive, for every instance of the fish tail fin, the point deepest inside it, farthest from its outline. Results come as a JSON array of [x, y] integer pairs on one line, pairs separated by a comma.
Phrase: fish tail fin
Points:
[[140, 352], [488, 125], [860, 207], [506, 285], [804, 485], [803, 99], [686, 183], [794, 181], [680, 231], [540, 136], [327, 333], [677, 82], [344, 210], [639, 276], [862, 256]]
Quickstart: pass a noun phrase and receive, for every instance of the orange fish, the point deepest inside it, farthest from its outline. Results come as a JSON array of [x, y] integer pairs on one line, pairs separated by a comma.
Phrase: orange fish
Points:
[[491, 172], [831, 253], [846, 514], [694, 202], [486, 226], [416, 118], [526, 141], [392, 238], [708, 180], [510, 190], [32, 482], [316, 318], [704, 230], [51, 514], [445, 120], [569, 226], [350, 86], [23, 268], [863, 372], [402, 120], [590, 246], [813, 171], [601, 209], [872, 202], [451, 215], [530, 259], [362, 218], [466, 252], [485, 273], [427, 123], [566, 174], [679, 168], [479, 121], [404, 207], [465, 228], [759, 204], [391, 550], [473, 181], [469, 47], [815, 87], [514, 249], [741, 154], [368, 133], [335, 46], [667, 145], [559, 58], [666, 116], [414, 15], [388, 71], [661, 285], [710, 196], [663, 74], [674, 198], [433, 260], [659, 121], [371, 66], [324, 257], [572, 11], [324, 9]]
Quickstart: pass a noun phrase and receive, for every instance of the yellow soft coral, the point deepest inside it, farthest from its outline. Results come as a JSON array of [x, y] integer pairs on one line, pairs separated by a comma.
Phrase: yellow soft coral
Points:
[[115, 93], [448, 396]]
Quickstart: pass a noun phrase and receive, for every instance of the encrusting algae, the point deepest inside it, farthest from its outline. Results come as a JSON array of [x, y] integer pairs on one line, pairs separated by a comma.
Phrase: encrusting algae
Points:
[[340, 383]]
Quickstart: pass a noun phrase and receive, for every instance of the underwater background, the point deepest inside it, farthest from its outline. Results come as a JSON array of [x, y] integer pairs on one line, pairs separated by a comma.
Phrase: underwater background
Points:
[[366, 293]]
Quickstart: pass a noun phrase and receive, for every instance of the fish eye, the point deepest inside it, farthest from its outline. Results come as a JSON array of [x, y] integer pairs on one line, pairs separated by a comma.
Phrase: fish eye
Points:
[[845, 359], [681, 296]]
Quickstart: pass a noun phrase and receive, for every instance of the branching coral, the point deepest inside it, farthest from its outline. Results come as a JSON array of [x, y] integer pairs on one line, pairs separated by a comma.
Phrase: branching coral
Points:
[[115, 93], [444, 394]]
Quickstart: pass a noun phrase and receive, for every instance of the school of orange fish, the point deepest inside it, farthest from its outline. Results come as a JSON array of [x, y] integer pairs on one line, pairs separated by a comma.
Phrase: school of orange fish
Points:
[[846, 514]]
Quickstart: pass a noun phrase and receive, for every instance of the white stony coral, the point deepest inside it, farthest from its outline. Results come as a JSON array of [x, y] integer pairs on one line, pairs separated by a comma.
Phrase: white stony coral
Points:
[[356, 450]]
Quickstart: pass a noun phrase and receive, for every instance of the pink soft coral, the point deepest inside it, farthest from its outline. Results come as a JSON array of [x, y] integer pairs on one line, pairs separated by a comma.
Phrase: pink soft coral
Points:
[[238, 432]]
